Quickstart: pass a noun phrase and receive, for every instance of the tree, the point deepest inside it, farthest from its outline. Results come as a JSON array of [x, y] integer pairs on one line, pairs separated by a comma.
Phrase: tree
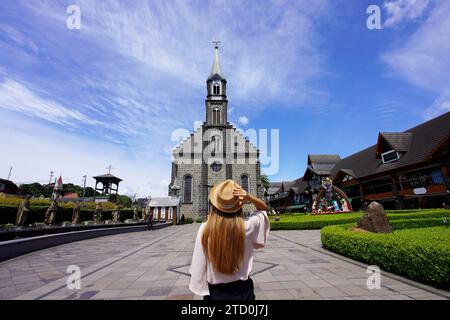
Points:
[[72, 188], [34, 189], [89, 192], [265, 181], [124, 201]]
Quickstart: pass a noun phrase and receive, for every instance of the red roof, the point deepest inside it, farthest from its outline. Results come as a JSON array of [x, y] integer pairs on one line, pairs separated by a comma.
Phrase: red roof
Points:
[[71, 196]]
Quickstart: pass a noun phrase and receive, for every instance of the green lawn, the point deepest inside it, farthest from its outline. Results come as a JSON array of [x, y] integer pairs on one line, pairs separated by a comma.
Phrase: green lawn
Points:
[[305, 221]]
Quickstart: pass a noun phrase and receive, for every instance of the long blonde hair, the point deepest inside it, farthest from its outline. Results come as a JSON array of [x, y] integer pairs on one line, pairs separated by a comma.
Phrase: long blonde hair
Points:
[[223, 240]]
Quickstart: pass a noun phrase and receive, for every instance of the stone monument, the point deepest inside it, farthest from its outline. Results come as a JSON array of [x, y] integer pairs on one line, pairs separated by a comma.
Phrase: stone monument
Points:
[[50, 214], [22, 211], [375, 220], [116, 214], [98, 213], [135, 212], [76, 213], [144, 213]]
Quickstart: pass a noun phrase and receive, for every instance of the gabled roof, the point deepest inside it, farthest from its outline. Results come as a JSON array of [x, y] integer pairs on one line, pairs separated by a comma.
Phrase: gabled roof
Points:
[[164, 202], [425, 140], [399, 141], [349, 172], [274, 187], [297, 186], [300, 185], [107, 176], [323, 158], [287, 185], [321, 164]]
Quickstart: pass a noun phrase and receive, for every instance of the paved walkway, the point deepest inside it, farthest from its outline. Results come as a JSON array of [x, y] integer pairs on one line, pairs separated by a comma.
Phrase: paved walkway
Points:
[[154, 265]]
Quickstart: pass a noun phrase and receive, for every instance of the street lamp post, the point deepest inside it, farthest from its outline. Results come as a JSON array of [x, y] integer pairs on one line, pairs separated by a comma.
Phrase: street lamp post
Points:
[[84, 186]]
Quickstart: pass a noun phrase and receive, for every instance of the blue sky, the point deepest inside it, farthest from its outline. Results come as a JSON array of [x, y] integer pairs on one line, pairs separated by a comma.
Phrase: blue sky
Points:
[[75, 101]]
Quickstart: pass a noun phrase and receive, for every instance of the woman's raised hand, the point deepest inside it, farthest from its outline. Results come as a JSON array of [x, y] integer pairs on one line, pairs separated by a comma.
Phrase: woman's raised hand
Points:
[[241, 194]]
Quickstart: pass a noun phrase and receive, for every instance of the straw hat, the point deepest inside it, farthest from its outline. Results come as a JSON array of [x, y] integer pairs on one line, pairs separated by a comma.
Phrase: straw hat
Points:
[[221, 196]]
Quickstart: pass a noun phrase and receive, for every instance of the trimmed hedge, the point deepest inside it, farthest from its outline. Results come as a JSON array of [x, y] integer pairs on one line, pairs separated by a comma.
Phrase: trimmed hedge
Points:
[[308, 225], [36, 202], [421, 254], [416, 223], [37, 214]]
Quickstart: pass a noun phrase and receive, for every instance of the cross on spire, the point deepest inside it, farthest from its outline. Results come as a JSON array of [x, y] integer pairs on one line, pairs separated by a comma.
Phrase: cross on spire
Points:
[[216, 42], [216, 65], [109, 169]]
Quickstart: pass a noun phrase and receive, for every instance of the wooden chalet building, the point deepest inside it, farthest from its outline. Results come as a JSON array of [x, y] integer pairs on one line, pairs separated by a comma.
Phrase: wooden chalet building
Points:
[[402, 170], [318, 168], [287, 196]]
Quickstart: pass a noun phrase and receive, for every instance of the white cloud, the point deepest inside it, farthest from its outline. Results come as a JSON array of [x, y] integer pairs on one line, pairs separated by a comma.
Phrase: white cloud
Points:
[[19, 38], [174, 38], [16, 97], [34, 150], [439, 106], [424, 58], [117, 87], [401, 11], [243, 120], [386, 111]]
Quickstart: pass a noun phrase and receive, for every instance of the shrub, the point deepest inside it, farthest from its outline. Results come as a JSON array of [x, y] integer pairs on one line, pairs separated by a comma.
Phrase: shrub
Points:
[[421, 254], [416, 223]]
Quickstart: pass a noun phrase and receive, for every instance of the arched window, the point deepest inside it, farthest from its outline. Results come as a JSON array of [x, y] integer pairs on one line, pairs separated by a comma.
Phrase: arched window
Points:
[[216, 116], [187, 189], [216, 140], [244, 182], [216, 89]]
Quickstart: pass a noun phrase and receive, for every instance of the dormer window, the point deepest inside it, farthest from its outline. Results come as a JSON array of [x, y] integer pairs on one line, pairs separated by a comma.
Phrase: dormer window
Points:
[[390, 156], [392, 145]]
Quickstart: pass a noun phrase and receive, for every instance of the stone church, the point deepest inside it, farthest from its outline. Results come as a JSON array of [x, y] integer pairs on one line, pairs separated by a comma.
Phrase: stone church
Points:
[[216, 151]]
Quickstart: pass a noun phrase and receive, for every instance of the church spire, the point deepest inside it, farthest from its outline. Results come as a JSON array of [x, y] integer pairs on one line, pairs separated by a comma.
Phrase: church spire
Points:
[[216, 100], [216, 65]]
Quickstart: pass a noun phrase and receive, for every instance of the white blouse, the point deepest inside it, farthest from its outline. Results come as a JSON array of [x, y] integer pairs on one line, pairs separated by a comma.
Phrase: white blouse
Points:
[[202, 272]]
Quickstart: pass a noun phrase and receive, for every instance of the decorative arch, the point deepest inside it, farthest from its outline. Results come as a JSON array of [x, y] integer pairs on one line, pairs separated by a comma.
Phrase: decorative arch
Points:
[[331, 191]]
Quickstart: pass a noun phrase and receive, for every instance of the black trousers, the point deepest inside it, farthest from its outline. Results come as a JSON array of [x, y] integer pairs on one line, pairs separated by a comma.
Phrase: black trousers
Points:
[[236, 290], [150, 224]]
